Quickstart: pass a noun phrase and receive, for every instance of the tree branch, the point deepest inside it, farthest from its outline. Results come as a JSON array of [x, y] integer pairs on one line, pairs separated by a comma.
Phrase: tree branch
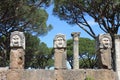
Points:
[[104, 24], [102, 27], [88, 26], [82, 27]]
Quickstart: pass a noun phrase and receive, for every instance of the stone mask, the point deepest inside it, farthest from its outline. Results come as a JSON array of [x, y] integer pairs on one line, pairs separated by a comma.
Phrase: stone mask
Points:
[[59, 42], [16, 41], [106, 42]]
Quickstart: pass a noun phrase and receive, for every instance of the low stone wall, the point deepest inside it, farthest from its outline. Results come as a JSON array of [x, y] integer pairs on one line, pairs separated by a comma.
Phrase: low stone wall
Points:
[[40, 74], [3, 73], [100, 74]]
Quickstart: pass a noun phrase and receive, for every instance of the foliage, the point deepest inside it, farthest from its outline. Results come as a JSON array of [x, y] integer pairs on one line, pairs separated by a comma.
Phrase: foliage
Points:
[[86, 53], [104, 12], [27, 16], [38, 55], [23, 15]]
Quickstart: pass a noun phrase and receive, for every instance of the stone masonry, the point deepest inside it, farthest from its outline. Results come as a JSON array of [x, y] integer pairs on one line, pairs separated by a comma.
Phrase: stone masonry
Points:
[[41, 74]]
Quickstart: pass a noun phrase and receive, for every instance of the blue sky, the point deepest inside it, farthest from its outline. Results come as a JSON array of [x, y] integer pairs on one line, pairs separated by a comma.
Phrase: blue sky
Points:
[[64, 28], [60, 27]]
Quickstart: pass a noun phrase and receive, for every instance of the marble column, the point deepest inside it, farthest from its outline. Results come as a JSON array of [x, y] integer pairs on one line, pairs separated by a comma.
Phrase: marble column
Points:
[[75, 36], [60, 52], [117, 55]]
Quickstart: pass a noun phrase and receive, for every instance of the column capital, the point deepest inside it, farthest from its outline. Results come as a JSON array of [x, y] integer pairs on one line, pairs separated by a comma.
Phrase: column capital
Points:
[[75, 34]]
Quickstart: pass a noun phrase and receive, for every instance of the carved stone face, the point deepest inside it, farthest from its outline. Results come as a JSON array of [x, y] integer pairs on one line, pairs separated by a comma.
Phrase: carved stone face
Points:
[[59, 42], [16, 41], [106, 42]]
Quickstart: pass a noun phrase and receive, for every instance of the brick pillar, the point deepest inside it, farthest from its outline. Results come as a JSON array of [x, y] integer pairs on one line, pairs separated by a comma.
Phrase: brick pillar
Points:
[[75, 36], [117, 55], [60, 51]]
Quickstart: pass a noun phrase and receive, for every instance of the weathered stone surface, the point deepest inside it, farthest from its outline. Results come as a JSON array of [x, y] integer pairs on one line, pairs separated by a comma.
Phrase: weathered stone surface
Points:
[[101, 74], [74, 74], [75, 36], [104, 41], [58, 75], [59, 41], [3, 73], [17, 58], [40, 74], [104, 59], [117, 55], [17, 39], [60, 51], [14, 74], [82, 74], [17, 44], [104, 45], [60, 58]]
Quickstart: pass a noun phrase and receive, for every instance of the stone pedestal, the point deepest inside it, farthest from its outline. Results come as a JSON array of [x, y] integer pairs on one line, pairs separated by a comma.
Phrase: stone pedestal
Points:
[[60, 52], [75, 36], [117, 55], [60, 59], [17, 58], [104, 59]]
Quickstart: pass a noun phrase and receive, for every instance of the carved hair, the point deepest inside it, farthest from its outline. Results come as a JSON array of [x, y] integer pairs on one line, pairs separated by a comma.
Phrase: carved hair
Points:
[[101, 44]]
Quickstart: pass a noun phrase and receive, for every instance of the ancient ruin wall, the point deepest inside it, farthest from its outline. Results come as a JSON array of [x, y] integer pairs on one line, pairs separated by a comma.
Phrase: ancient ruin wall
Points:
[[40, 74], [17, 72]]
